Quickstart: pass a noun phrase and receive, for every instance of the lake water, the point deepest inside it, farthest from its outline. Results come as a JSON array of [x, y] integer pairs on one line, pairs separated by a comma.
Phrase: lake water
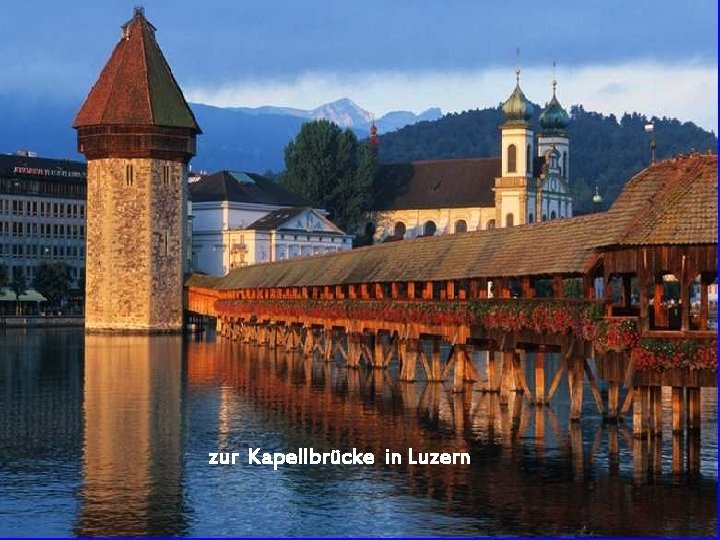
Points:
[[111, 435]]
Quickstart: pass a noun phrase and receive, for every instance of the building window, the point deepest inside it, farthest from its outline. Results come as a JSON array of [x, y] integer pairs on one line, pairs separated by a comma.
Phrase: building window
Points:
[[429, 228], [544, 218], [511, 158], [564, 165], [509, 219], [400, 230], [528, 160], [490, 224], [166, 175], [460, 226], [129, 173], [531, 218], [553, 215]]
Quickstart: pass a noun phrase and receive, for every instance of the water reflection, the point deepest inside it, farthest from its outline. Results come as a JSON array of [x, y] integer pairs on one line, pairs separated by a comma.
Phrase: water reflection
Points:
[[532, 473], [132, 482], [110, 436]]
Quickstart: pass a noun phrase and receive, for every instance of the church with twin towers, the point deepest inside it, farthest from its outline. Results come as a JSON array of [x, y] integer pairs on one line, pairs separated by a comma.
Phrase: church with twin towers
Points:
[[528, 182]]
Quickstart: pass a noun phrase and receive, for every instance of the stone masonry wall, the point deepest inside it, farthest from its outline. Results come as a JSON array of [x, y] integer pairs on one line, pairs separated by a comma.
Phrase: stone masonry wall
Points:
[[134, 245]]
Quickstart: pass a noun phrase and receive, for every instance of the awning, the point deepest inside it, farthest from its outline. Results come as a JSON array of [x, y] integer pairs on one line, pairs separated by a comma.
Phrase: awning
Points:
[[31, 295]]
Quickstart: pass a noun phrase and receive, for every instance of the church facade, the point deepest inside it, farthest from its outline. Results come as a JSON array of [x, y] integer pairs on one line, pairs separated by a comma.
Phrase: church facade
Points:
[[528, 182]]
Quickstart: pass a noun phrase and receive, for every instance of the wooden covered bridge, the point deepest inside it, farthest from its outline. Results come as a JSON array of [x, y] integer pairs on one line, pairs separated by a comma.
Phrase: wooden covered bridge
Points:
[[630, 288]]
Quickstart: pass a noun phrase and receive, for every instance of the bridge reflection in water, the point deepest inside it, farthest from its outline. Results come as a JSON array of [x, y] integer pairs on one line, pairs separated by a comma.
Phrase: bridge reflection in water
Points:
[[532, 471]]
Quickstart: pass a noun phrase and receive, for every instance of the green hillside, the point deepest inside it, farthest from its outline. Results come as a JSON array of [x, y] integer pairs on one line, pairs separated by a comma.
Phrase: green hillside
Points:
[[604, 149]]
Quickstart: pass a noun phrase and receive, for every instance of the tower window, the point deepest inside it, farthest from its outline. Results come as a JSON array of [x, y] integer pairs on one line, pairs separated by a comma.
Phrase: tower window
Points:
[[511, 158], [129, 173], [528, 159], [531, 218], [509, 219], [553, 215], [460, 226], [399, 231], [564, 165], [166, 175], [430, 228], [491, 224]]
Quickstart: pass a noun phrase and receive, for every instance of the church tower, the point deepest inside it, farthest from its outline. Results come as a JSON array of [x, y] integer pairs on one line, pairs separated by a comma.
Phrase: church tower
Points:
[[554, 199], [138, 135], [514, 190]]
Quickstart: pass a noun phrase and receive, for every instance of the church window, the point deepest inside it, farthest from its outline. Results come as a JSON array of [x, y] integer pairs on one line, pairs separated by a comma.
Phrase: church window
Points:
[[544, 218], [512, 158], [400, 229], [166, 175], [509, 219], [564, 165], [491, 224], [430, 228], [531, 218], [129, 175], [553, 215], [460, 226], [528, 159]]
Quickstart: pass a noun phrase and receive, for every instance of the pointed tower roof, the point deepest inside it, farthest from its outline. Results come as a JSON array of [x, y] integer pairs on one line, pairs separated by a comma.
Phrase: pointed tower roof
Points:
[[517, 109], [554, 118], [136, 86]]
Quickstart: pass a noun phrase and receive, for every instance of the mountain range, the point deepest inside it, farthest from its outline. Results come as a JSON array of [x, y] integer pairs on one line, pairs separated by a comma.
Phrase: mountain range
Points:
[[250, 139]]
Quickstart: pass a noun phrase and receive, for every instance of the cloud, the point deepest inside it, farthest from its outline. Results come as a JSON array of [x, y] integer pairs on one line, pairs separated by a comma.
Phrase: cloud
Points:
[[687, 90]]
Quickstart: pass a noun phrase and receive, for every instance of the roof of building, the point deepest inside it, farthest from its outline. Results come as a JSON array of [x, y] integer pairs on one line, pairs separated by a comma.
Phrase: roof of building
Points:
[[236, 186], [554, 118], [277, 218], [560, 246], [136, 86], [671, 202], [441, 183], [37, 168]]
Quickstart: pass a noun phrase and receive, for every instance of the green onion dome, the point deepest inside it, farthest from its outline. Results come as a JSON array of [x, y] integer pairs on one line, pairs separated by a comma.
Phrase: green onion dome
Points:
[[517, 108], [554, 117]]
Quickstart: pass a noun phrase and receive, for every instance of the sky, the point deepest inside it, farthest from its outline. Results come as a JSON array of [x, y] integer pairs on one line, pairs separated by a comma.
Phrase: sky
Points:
[[655, 57]]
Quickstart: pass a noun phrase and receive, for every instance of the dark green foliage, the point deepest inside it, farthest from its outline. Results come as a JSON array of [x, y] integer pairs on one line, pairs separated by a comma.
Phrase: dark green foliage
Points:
[[603, 149], [3, 276], [18, 286], [331, 169], [52, 280]]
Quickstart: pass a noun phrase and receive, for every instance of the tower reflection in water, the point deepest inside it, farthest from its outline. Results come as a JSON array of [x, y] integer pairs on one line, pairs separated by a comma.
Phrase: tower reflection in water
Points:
[[132, 481]]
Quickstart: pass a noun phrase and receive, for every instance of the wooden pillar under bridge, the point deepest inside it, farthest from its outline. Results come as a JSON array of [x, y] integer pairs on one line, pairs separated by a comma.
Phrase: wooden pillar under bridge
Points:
[[656, 411], [309, 343], [354, 349], [436, 363], [506, 377], [613, 400], [692, 400], [575, 383], [407, 352], [492, 371], [540, 375], [328, 344], [678, 409], [641, 411], [459, 371], [521, 385], [378, 353]]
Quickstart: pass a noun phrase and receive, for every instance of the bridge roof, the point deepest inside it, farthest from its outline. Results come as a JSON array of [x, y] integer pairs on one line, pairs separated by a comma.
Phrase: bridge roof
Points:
[[560, 246], [670, 202]]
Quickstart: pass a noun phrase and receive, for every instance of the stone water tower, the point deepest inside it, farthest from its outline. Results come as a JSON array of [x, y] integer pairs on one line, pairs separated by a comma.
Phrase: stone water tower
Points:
[[138, 134]]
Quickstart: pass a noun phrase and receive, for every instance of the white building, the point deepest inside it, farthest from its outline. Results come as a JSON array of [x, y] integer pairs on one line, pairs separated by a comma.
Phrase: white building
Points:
[[529, 181], [244, 218]]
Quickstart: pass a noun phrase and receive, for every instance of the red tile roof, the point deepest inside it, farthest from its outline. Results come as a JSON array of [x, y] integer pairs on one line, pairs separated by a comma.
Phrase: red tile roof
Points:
[[670, 202], [136, 86]]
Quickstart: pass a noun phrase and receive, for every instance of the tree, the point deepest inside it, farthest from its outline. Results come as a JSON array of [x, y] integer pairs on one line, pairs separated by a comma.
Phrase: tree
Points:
[[332, 170], [18, 286], [52, 280], [3, 276]]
